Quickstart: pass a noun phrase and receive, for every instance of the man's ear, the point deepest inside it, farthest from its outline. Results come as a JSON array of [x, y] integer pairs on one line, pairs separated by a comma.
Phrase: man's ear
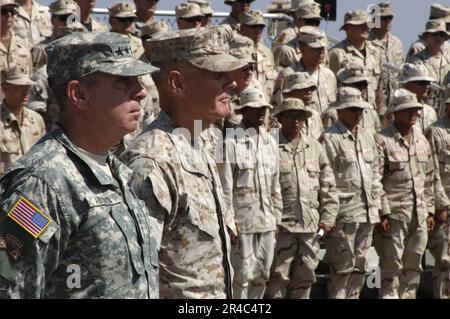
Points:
[[175, 82], [77, 95]]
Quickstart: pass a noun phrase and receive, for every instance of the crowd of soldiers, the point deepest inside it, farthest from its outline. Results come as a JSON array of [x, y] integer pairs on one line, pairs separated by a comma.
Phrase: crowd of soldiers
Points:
[[137, 161]]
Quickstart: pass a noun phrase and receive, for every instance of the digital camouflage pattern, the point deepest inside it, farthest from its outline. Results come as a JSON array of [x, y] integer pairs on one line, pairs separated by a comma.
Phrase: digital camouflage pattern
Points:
[[97, 224]]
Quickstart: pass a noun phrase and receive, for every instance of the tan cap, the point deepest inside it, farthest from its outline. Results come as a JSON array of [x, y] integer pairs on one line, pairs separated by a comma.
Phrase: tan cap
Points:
[[254, 17], [308, 11], [243, 49], [292, 104], [385, 9], [8, 3], [434, 26], [188, 10], [313, 37], [204, 48], [349, 97], [352, 73], [297, 81], [403, 100], [17, 75], [205, 6], [122, 10], [154, 28], [441, 12], [295, 4], [63, 7], [252, 97], [355, 17], [414, 72]]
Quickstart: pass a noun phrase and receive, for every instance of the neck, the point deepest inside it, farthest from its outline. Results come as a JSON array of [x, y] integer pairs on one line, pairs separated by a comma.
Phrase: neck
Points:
[[403, 129], [351, 128], [381, 34], [144, 16], [434, 50], [249, 125], [189, 123], [234, 16], [358, 43], [291, 135], [17, 111], [310, 66], [5, 33]]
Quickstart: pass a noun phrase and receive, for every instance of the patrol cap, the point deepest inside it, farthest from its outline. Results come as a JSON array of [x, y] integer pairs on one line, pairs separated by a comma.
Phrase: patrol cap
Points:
[[403, 100], [441, 12], [63, 7], [8, 3], [17, 75], [122, 10], [355, 17], [154, 28], [251, 97], [292, 104], [308, 11], [243, 49], [352, 73], [349, 97], [229, 2], [188, 10], [435, 26], [254, 17], [205, 6], [297, 81], [414, 72], [295, 4], [313, 37], [205, 48], [385, 9], [82, 53]]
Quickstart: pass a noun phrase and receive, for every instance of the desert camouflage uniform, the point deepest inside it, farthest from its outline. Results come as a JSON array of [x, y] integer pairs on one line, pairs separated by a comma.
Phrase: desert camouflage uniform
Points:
[[96, 224], [419, 45], [18, 53], [95, 25], [426, 117], [232, 22], [17, 138], [265, 68], [370, 120], [34, 28], [308, 190]]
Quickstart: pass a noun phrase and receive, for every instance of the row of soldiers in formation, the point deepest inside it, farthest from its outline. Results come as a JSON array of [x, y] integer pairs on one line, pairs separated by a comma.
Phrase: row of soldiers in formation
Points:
[[342, 180]]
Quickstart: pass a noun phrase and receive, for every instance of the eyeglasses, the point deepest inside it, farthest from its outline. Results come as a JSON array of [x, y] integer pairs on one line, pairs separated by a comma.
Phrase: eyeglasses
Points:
[[244, 1], [354, 109], [386, 18], [126, 20], [423, 83], [312, 22], [359, 85], [6, 11], [63, 17], [256, 26], [193, 19], [439, 35]]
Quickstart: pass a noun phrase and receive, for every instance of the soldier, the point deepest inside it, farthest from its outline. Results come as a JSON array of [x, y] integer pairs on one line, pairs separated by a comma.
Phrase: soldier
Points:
[[20, 127], [66, 202], [206, 10], [237, 8], [392, 52], [434, 57], [145, 11], [355, 76], [32, 22], [252, 26], [250, 180], [13, 48], [310, 203], [185, 195], [353, 157], [86, 18], [189, 15], [407, 200], [121, 19], [415, 79], [312, 44], [356, 48], [301, 86], [439, 240]]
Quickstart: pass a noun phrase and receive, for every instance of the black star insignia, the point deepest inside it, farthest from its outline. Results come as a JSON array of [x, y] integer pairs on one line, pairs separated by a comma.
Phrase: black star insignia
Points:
[[119, 51], [128, 50]]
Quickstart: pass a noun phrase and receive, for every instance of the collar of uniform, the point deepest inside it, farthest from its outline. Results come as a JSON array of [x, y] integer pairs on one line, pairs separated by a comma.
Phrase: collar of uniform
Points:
[[8, 117], [233, 22], [262, 133], [344, 130], [398, 136]]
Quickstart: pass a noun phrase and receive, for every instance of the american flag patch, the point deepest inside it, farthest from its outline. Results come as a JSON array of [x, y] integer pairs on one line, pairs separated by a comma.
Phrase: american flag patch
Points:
[[29, 217]]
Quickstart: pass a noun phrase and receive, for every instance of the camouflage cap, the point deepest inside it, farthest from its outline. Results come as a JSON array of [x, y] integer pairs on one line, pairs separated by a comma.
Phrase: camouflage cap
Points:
[[63, 7], [122, 10], [154, 28], [403, 100], [17, 75], [188, 10], [82, 53], [308, 11], [352, 73], [414, 72], [8, 3], [279, 6], [252, 97], [385, 9], [313, 37], [205, 6], [229, 2], [297, 81], [243, 49], [204, 48], [435, 26], [355, 17], [440, 11], [254, 17], [295, 4], [292, 104], [349, 97]]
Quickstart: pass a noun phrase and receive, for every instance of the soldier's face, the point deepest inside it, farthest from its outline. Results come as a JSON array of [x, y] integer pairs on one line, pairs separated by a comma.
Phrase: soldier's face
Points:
[[254, 117], [243, 77], [386, 23], [189, 23], [122, 25], [406, 118], [292, 122], [148, 6], [419, 88], [240, 6], [254, 32], [8, 13], [351, 116], [357, 32], [313, 54], [113, 103], [86, 5], [16, 95], [435, 39], [306, 95]]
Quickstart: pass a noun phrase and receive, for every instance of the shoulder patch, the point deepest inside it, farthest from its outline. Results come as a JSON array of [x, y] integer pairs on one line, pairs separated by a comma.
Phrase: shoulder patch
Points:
[[29, 217]]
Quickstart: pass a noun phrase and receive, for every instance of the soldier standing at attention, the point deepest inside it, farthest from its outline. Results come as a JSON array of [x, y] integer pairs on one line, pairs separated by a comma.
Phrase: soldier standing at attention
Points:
[[237, 7], [145, 11], [65, 206], [86, 19], [189, 15]]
